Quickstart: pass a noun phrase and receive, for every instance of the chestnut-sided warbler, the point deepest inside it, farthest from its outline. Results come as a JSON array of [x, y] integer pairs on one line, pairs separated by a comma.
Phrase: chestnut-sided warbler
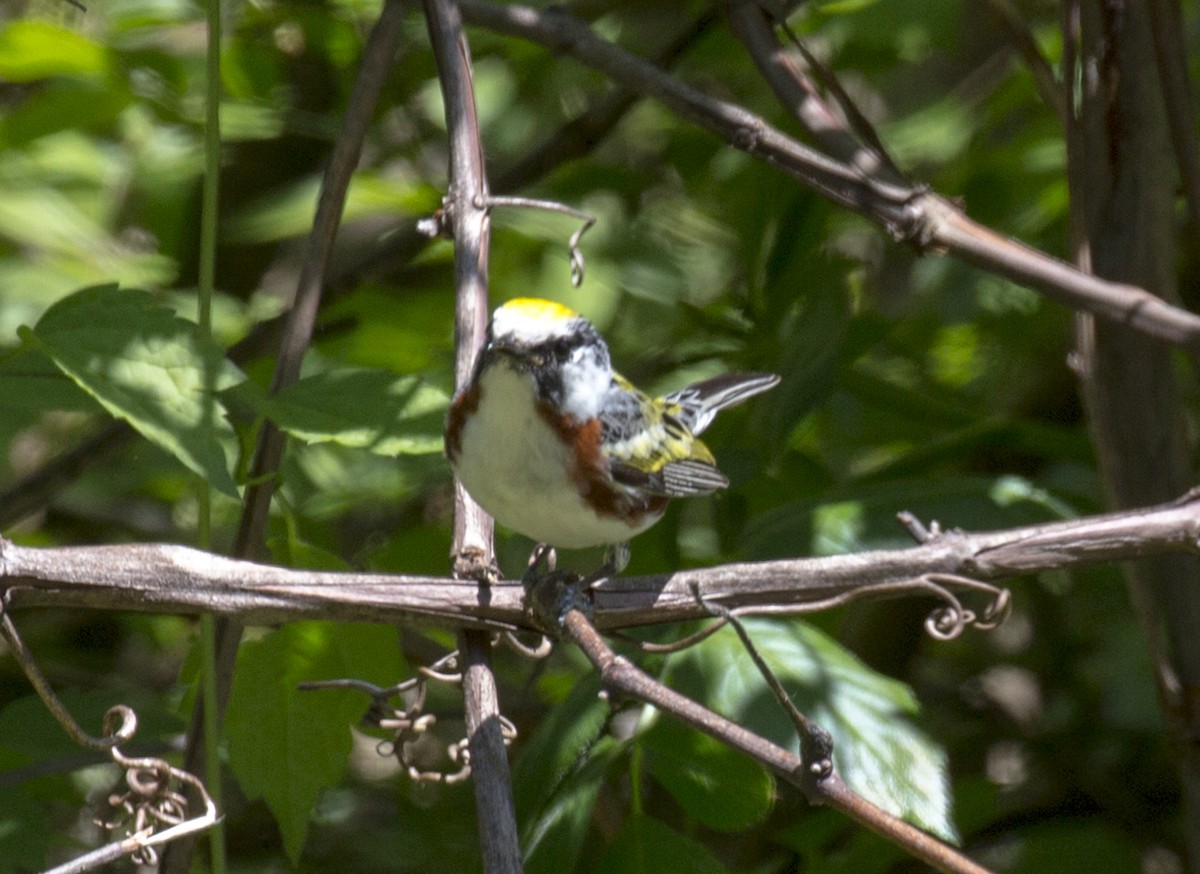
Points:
[[558, 446]]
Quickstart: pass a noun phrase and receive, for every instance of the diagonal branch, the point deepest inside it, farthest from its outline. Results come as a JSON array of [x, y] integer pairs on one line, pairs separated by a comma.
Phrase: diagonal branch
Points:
[[909, 213], [819, 785], [802, 98], [1052, 93]]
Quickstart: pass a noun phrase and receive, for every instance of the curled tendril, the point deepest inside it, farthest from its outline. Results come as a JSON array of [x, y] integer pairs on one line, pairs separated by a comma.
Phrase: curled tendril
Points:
[[944, 623], [152, 810], [947, 622], [120, 722], [409, 724], [575, 255]]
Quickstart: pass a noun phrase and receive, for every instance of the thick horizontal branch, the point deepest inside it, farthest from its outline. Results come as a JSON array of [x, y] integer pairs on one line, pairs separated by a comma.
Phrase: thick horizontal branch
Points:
[[908, 212], [176, 579]]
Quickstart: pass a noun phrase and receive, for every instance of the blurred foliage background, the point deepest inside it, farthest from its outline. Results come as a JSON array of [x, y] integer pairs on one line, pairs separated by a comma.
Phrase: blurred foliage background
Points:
[[908, 384]]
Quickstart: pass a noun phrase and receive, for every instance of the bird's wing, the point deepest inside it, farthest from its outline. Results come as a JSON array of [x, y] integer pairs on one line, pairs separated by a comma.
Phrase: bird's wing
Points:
[[696, 405], [652, 450], [675, 479]]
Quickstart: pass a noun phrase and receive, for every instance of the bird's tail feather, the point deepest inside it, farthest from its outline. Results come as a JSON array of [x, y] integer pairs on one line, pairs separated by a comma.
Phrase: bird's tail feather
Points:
[[700, 402]]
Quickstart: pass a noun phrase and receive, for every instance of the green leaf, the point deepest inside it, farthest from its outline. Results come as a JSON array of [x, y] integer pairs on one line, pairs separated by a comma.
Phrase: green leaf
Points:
[[721, 788], [30, 381], [561, 742], [31, 50], [366, 409], [25, 831], [145, 365], [285, 745], [560, 771], [554, 839], [878, 750], [646, 846]]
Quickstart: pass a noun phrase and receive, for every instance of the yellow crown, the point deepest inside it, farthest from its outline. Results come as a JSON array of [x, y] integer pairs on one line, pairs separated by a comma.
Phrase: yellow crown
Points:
[[538, 309]]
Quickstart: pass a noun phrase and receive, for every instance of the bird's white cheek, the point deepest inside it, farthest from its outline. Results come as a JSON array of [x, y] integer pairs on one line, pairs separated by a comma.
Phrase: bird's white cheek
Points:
[[585, 385]]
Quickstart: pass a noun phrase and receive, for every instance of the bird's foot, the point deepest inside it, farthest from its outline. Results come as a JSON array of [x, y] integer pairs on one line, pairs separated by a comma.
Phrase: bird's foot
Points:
[[552, 592], [616, 559], [473, 564]]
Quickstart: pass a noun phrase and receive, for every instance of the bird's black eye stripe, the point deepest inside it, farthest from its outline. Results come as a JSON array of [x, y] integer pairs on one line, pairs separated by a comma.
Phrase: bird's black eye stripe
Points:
[[562, 348]]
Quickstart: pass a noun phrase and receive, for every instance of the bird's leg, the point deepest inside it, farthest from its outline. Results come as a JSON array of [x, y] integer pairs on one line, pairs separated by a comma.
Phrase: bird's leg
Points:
[[616, 559], [543, 552]]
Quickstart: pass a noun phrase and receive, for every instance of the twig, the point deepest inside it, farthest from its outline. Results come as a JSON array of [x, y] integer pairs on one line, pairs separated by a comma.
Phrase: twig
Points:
[[120, 722], [912, 214], [467, 206], [798, 94], [33, 492], [816, 744], [820, 784]]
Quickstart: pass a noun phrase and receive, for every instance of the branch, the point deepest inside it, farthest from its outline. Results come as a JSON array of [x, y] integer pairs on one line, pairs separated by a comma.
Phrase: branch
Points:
[[818, 784], [1170, 52], [153, 578], [909, 213], [467, 210], [801, 97], [31, 494]]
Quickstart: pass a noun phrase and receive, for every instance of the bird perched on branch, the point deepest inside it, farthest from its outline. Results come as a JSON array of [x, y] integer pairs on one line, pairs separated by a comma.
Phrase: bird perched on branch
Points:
[[558, 446]]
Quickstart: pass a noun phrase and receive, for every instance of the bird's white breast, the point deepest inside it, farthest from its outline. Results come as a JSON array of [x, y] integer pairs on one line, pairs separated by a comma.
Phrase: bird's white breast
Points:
[[518, 468]]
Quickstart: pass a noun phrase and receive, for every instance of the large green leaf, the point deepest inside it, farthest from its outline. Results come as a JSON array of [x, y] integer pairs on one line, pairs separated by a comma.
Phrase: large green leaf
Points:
[[29, 380], [145, 365], [367, 409], [879, 750], [285, 745], [646, 846], [562, 741], [721, 788], [553, 840], [558, 775]]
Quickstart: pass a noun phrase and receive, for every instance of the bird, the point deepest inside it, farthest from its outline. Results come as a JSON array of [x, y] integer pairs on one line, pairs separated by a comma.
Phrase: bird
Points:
[[558, 446]]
